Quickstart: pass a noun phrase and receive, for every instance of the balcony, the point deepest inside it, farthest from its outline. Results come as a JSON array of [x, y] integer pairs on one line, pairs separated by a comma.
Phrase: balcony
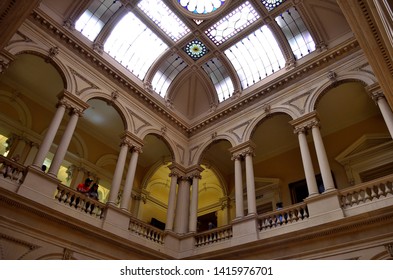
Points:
[[332, 216]]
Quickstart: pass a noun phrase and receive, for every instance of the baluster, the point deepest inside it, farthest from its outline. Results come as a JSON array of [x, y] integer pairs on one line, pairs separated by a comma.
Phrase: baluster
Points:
[[389, 189], [367, 196], [354, 198], [373, 193], [381, 190]]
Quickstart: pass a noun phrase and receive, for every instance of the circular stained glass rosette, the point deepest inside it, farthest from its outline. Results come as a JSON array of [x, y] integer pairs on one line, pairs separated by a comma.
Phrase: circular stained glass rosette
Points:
[[271, 4], [195, 49], [201, 7]]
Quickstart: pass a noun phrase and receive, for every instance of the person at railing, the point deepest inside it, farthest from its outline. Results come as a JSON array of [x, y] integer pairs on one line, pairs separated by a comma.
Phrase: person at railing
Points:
[[279, 217], [84, 187], [9, 170], [93, 192]]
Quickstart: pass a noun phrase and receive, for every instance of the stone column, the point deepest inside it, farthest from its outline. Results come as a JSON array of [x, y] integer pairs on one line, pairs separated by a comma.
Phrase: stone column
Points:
[[117, 176], [130, 178], [170, 215], [182, 205], [78, 176], [238, 186], [324, 166], [383, 105], [64, 143], [194, 200], [251, 202], [31, 154], [50, 134], [307, 162]]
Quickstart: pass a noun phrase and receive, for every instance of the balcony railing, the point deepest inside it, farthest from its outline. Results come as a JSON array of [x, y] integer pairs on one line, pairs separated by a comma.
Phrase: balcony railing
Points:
[[213, 236], [279, 218], [12, 170], [366, 192], [354, 200], [79, 201], [146, 231]]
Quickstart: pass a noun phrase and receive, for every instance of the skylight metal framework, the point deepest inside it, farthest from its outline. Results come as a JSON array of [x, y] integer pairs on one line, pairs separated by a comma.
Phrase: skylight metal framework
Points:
[[256, 57], [164, 18], [296, 32], [167, 72], [136, 46], [220, 78], [95, 17], [241, 17], [138, 50]]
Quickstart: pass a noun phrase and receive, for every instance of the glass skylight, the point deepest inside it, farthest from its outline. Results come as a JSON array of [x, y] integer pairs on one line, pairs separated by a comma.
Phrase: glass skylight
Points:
[[201, 6], [220, 78], [167, 73], [134, 45], [296, 32], [95, 17], [235, 21], [167, 20], [256, 56], [271, 4]]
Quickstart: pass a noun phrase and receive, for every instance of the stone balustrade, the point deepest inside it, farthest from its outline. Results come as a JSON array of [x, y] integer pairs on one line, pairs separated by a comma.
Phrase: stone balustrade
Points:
[[79, 201], [12, 170], [366, 192], [288, 215], [146, 231], [213, 236]]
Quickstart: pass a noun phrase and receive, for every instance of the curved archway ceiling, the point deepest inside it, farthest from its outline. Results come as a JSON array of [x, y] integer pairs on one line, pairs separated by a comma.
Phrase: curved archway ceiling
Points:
[[159, 33]]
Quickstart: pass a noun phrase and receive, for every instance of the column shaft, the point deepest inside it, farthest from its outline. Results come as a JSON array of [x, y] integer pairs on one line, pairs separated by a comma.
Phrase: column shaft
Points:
[[129, 181], [323, 161], [170, 215], [121, 161], [238, 188], [252, 209], [63, 146], [49, 136], [182, 206], [194, 205], [307, 164], [386, 113]]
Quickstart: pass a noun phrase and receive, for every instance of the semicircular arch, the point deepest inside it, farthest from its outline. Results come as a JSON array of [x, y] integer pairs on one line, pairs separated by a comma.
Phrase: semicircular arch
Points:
[[120, 109], [198, 155], [266, 115], [20, 107], [55, 61], [316, 96]]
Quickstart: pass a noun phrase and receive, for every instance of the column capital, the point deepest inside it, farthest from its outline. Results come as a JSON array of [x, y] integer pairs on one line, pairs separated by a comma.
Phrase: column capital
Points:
[[195, 171], [134, 142], [305, 122], [71, 102], [243, 149]]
